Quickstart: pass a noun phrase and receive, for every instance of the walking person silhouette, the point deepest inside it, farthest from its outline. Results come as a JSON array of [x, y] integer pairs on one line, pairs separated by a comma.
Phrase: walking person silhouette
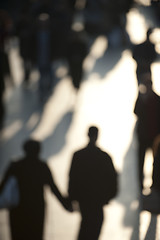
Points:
[[92, 183], [156, 164], [32, 174], [144, 54], [147, 110]]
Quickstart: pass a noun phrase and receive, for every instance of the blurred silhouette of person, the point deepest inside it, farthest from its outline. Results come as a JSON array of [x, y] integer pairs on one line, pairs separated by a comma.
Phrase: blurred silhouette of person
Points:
[[144, 54], [2, 89], [77, 51], [150, 202], [32, 174], [5, 25], [155, 7], [92, 183], [147, 109], [61, 25], [156, 164], [106, 17], [43, 55], [24, 31], [60, 16], [4, 71]]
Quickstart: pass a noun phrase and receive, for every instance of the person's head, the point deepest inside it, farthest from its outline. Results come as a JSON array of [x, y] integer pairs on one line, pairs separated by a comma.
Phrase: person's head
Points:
[[32, 148], [93, 134]]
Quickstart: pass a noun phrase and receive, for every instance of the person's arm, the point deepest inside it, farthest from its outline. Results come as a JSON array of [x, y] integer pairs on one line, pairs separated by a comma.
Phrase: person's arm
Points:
[[137, 107], [6, 176], [63, 200], [72, 184]]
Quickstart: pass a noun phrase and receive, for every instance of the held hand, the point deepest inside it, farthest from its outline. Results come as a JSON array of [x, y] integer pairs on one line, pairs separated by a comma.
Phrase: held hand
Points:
[[76, 207], [67, 204]]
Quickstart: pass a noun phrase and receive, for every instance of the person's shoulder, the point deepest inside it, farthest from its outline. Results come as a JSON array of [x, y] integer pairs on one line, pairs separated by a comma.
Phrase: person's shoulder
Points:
[[80, 151], [15, 165], [105, 154], [15, 162], [156, 95], [42, 163], [43, 166]]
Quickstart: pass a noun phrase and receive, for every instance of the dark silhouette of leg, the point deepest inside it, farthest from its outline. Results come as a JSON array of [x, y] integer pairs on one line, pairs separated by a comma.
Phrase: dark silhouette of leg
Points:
[[141, 157], [92, 219]]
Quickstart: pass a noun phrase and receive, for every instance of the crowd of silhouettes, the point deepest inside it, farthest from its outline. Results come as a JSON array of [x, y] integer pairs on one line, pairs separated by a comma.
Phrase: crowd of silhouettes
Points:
[[107, 18], [45, 34], [44, 29]]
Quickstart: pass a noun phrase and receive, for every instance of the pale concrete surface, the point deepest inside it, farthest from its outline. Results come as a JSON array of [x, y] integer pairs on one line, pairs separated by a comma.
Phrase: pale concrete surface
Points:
[[106, 98]]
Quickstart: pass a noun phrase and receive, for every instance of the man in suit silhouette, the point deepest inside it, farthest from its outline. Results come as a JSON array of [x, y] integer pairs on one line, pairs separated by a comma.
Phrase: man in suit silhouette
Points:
[[92, 183]]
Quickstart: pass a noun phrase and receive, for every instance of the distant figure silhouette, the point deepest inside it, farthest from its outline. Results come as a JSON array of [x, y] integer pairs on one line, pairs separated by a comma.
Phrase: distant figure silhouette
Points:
[[24, 31], [5, 21], [144, 54], [43, 54], [147, 109], [27, 220], [2, 89], [77, 51], [156, 164], [104, 17], [92, 183]]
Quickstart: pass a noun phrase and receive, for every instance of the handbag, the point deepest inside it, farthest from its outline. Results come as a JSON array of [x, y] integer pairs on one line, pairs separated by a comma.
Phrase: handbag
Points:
[[151, 202], [9, 197]]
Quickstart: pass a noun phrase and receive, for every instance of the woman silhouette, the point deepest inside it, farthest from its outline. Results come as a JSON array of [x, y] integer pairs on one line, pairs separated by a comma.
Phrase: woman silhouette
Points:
[[32, 174]]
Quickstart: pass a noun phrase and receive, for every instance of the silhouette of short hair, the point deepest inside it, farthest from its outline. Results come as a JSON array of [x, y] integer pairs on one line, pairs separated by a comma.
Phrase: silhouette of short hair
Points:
[[32, 146], [92, 131]]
